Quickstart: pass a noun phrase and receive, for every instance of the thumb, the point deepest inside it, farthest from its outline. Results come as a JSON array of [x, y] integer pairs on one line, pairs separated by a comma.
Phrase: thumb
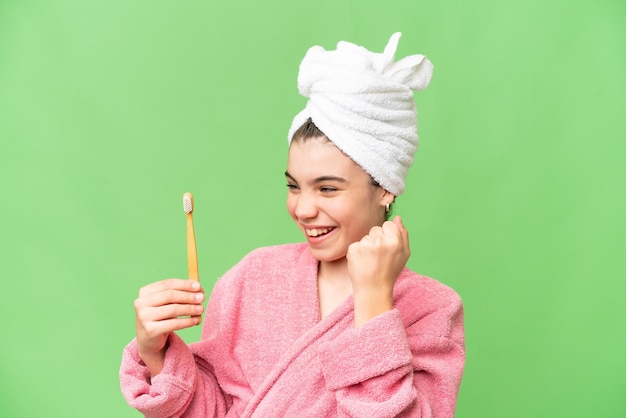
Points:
[[403, 231]]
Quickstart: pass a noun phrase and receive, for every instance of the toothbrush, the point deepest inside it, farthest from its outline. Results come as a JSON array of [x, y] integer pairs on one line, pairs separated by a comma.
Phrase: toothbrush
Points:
[[192, 254]]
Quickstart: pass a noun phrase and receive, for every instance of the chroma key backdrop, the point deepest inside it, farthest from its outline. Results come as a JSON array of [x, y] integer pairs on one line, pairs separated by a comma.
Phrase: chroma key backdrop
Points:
[[111, 110]]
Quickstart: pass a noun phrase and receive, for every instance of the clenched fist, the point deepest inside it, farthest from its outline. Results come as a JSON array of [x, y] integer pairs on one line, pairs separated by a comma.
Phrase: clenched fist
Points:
[[374, 264]]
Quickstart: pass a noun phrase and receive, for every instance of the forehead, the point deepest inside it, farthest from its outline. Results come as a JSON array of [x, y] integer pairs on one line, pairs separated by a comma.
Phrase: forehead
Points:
[[315, 157]]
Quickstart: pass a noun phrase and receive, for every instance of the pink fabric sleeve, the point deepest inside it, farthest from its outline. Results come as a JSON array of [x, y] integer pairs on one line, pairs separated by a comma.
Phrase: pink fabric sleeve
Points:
[[182, 389], [388, 369]]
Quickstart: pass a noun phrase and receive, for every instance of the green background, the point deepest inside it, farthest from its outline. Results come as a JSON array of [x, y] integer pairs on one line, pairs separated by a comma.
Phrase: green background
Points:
[[111, 110]]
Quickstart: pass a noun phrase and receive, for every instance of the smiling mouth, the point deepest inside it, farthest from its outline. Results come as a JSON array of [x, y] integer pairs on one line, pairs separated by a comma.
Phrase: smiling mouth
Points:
[[316, 232]]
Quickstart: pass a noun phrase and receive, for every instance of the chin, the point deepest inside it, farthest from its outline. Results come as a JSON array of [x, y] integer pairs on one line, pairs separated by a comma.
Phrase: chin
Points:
[[327, 256]]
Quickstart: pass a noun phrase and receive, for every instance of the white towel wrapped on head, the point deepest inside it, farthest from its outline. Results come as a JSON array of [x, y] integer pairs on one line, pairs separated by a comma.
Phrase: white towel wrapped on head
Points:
[[363, 102]]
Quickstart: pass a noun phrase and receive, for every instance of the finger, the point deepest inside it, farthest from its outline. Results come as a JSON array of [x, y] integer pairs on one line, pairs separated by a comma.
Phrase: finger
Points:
[[395, 229], [157, 328], [168, 297], [391, 229], [403, 231], [376, 231], [166, 312], [174, 284], [352, 249]]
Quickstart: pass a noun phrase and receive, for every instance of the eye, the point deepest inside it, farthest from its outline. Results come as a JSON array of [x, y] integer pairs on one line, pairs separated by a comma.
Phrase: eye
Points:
[[327, 189], [292, 186]]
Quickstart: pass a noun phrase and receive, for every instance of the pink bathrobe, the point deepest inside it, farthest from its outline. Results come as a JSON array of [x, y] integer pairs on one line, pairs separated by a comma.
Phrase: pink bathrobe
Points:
[[265, 353]]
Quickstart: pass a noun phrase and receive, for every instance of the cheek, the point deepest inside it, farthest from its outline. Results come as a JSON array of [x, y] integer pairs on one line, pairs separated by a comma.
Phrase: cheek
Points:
[[370, 214], [291, 205]]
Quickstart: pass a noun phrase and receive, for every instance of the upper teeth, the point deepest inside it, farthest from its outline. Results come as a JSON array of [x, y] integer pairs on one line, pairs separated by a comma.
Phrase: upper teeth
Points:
[[316, 232]]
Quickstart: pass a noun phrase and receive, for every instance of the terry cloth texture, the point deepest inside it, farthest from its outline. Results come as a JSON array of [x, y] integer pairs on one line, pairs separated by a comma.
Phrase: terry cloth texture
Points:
[[363, 102], [265, 352]]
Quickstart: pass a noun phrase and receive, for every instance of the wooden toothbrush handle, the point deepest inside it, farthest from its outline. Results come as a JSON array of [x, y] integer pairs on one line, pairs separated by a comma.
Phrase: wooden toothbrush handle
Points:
[[192, 254]]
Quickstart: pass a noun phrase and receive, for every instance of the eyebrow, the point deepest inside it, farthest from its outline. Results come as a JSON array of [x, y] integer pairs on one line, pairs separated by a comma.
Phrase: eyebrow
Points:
[[320, 179]]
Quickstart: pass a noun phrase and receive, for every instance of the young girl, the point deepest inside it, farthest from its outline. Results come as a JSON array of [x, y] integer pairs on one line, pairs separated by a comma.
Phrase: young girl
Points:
[[336, 326]]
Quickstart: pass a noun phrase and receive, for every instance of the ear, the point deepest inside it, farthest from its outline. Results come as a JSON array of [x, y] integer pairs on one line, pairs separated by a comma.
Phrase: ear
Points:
[[387, 198]]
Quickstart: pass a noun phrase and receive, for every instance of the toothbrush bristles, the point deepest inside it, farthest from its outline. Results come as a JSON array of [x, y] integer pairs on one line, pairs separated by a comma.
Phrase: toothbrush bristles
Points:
[[188, 202]]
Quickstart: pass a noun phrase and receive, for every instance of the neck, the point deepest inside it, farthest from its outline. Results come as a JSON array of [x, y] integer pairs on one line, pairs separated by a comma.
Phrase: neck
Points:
[[333, 285], [334, 271]]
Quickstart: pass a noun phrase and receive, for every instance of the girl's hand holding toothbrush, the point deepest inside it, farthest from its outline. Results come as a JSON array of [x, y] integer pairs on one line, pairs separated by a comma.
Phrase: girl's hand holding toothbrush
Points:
[[163, 307]]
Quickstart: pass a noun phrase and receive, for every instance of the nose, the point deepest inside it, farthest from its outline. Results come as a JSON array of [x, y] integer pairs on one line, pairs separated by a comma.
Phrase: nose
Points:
[[306, 207]]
